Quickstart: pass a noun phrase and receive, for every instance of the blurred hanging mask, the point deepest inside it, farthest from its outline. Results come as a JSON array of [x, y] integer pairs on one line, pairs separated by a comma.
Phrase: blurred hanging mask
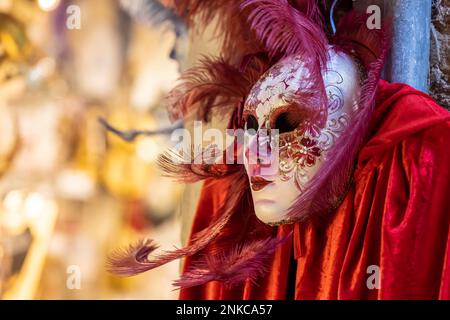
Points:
[[290, 129], [14, 50], [14, 44]]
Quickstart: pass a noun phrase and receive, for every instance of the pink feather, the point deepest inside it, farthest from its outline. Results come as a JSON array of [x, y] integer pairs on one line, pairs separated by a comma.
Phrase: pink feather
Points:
[[182, 170], [247, 262], [211, 84], [134, 259], [286, 31]]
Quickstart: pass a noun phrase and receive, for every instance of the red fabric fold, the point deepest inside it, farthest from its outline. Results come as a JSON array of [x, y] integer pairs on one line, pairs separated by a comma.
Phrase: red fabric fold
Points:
[[394, 220]]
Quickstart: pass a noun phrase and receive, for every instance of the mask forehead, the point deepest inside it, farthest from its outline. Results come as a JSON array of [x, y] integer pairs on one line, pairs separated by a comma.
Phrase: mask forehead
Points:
[[275, 88]]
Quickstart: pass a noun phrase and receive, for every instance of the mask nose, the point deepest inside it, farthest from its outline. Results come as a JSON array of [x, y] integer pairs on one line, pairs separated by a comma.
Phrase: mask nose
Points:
[[260, 156]]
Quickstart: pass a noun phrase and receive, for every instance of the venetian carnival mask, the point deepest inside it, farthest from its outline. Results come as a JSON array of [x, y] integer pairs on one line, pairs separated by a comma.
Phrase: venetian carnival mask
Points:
[[280, 164]]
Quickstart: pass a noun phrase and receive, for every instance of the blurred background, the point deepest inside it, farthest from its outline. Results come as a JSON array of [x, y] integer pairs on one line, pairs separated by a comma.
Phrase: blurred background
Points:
[[70, 192]]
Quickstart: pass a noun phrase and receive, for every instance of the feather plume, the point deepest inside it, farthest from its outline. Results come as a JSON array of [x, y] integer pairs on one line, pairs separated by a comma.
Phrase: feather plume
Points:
[[286, 31], [314, 9], [131, 260], [209, 84], [180, 169], [134, 259], [244, 262]]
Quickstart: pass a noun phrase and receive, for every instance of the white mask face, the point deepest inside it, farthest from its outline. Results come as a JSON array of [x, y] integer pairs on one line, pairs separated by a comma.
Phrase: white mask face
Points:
[[284, 99]]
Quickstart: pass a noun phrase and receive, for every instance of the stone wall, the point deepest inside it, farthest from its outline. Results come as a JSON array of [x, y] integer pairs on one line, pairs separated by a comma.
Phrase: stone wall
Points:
[[440, 52]]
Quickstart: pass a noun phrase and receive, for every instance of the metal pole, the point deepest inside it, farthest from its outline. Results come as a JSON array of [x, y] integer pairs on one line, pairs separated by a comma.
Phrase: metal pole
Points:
[[409, 60]]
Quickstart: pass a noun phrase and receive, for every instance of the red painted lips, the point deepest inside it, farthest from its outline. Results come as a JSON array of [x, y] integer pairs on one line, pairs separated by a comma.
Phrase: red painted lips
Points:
[[258, 183]]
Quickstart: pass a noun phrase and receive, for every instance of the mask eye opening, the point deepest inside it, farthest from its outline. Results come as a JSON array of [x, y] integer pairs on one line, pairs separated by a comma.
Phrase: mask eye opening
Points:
[[287, 121], [251, 124]]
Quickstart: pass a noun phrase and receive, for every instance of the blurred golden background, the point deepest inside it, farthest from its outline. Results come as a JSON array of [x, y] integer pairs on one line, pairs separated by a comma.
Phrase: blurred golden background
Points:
[[70, 192]]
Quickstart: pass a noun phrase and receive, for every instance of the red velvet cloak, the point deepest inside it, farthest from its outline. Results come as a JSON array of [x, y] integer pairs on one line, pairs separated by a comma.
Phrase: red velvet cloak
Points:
[[396, 217]]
